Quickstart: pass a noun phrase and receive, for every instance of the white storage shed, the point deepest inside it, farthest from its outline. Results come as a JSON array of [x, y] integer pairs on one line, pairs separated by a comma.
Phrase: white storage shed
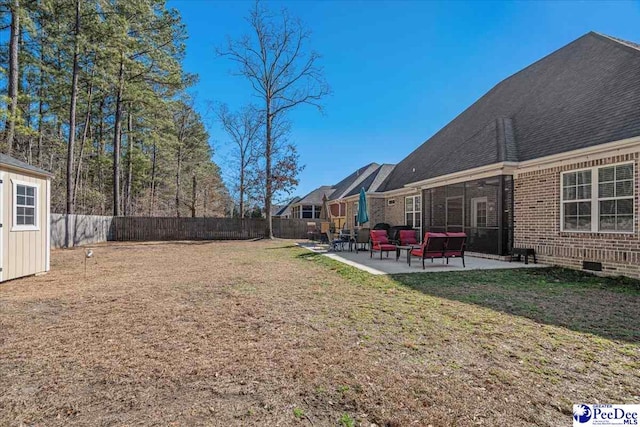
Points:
[[25, 205]]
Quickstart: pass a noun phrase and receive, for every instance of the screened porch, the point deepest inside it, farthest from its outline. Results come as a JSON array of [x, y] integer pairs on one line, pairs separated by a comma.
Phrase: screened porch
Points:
[[482, 208]]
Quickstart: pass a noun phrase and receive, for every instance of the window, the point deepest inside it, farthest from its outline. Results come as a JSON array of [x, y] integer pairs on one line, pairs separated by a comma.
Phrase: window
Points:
[[479, 212], [25, 206], [576, 194], [355, 213], [413, 212], [307, 211], [615, 198], [598, 199]]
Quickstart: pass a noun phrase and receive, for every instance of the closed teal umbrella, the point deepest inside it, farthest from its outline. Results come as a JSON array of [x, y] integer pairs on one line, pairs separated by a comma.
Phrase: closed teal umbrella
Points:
[[362, 208]]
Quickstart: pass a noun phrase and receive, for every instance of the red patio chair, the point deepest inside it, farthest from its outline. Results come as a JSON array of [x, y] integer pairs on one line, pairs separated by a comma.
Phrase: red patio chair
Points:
[[380, 242], [408, 237], [433, 246], [455, 246]]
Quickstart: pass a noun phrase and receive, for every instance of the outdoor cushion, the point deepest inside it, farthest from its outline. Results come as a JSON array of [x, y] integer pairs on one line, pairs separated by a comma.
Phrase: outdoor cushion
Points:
[[455, 243], [418, 253], [384, 247], [379, 236], [408, 237]]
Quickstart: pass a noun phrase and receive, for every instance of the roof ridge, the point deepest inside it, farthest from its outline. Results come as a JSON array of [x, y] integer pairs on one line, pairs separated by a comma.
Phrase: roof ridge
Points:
[[368, 170], [383, 173], [618, 41]]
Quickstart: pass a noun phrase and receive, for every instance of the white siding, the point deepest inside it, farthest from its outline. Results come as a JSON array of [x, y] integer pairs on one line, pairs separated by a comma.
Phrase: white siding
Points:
[[23, 252]]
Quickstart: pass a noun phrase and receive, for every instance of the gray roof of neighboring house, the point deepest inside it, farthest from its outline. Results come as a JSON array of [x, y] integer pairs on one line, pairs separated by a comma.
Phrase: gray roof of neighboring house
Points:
[[20, 165], [373, 182], [286, 209], [586, 93], [315, 197], [342, 188]]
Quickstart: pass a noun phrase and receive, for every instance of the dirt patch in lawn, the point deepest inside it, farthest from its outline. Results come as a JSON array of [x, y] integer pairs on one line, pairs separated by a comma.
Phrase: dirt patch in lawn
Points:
[[261, 333]]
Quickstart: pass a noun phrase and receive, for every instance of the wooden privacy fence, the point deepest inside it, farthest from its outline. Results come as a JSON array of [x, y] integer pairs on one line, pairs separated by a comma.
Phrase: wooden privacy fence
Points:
[[158, 228]]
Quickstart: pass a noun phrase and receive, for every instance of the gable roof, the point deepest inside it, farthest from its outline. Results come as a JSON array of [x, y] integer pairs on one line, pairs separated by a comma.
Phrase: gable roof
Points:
[[347, 184], [22, 166], [586, 93], [315, 196], [372, 182], [286, 209]]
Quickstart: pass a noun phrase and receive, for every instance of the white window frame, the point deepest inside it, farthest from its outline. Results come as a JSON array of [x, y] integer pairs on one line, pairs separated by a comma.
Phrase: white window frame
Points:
[[595, 200], [14, 202], [474, 211], [414, 212]]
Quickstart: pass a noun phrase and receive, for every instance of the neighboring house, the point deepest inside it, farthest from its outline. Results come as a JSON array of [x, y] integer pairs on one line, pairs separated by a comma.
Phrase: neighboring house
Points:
[[24, 219], [548, 159], [310, 206], [343, 202], [284, 211]]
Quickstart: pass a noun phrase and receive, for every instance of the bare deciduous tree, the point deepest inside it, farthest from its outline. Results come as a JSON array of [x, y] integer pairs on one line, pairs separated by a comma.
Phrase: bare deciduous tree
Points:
[[243, 128], [281, 72]]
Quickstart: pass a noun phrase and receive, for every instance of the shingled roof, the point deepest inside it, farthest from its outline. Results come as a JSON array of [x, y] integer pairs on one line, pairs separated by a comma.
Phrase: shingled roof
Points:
[[346, 185], [22, 166], [372, 182], [584, 94], [286, 208], [315, 196]]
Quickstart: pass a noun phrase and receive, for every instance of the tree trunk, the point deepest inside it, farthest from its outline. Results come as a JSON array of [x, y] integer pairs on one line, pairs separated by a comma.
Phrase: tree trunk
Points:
[[242, 169], [178, 180], [10, 126], [153, 180], [268, 189], [194, 196], [83, 141], [127, 205], [117, 133], [101, 156], [72, 121]]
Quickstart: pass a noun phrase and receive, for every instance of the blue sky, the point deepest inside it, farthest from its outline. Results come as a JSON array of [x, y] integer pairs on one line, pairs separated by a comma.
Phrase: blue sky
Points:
[[399, 71]]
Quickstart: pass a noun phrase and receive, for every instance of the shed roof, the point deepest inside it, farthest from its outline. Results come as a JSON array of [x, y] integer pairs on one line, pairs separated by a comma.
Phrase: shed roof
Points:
[[22, 166], [584, 94]]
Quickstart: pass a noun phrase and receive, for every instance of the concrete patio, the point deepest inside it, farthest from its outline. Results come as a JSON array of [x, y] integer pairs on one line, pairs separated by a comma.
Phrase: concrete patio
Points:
[[375, 265]]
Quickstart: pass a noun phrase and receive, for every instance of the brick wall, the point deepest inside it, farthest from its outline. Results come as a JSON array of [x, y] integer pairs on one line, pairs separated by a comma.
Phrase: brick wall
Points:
[[537, 223], [394, 214], [376, 208]]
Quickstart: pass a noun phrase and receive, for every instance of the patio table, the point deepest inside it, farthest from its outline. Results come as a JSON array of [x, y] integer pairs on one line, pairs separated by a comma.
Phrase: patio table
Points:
[[407, 248]]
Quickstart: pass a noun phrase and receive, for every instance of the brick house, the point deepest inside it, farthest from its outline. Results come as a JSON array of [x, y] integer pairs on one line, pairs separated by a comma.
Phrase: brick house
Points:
[[343, 201], [548, 159]]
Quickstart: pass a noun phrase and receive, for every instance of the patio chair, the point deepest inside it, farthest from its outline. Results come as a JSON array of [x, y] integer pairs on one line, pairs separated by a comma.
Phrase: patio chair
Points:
[[455, 246], [407, 237], [394, 232], [433, 246], [312, 230], [347, 236], [362, 239], [380, 243], [334, 243]]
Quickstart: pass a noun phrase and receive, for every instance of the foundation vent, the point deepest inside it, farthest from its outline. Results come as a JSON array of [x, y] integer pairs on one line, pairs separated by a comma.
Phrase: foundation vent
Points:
[[592, 266]]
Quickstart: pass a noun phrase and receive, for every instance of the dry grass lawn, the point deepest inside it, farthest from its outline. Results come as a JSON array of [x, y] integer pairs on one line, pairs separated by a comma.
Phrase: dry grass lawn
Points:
[[263, 333]]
